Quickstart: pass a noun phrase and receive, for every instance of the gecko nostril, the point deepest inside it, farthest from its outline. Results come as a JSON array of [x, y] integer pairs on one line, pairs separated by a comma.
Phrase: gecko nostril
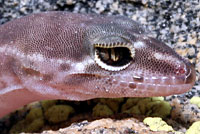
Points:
[[180, 71]]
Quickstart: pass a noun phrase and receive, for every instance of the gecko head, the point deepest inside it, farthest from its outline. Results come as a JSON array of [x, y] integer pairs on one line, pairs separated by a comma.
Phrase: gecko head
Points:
[[136, 64]]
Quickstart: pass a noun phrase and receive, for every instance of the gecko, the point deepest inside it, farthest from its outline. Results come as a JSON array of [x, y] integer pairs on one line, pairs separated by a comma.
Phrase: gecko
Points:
[[72, 56]]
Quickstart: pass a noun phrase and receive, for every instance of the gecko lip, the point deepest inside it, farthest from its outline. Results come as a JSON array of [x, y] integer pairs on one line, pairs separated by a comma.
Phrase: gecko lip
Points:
[[164, 86], [171, 80]]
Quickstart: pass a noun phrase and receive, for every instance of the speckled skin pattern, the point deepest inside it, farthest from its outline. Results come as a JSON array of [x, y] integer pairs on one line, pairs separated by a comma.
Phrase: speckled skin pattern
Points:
[[51, 56]]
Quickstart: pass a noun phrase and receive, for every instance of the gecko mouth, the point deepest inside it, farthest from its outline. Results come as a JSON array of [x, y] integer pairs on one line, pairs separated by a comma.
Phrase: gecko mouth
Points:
[[114, 57], [168, 85]]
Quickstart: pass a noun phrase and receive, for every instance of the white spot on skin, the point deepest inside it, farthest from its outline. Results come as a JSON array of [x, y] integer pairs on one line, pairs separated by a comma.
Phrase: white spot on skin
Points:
[[139, 83], [40, 62], [2, 49], [137, 77], [35, 57], [60, 61], [15, 52], [104, 32], [80, 66], [160, 56], [164, 78], [153, 77], [82, 25], [48, 48], [139, 44]]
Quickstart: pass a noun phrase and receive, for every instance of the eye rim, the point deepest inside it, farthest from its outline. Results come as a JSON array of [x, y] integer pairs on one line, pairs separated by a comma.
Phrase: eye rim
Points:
[[108, 67]]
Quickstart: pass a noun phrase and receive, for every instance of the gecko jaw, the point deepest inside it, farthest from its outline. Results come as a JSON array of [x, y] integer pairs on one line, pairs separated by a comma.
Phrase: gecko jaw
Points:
[[165, 86], [130, 85]]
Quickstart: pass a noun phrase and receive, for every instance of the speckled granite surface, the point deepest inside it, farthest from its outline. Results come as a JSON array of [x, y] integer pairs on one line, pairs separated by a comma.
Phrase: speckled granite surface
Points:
[[175, 22]]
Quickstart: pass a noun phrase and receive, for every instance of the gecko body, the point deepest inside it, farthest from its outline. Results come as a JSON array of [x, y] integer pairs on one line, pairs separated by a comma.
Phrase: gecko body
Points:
[[61, 55]]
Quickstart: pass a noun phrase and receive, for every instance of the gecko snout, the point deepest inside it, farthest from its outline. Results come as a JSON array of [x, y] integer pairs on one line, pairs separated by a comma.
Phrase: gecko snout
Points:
[[185, 80], [185, 73], [190, 75]]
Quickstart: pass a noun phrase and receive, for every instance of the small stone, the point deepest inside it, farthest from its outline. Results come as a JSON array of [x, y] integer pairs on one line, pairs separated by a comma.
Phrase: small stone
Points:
[[58, 113], [195, 100], [194, 129], [101, 110], [157, 124], [191, 51], [70, 2], [192, 41]]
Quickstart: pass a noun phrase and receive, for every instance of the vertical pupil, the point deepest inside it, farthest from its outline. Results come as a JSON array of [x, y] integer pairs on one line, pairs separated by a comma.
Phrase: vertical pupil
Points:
[[116, 56]]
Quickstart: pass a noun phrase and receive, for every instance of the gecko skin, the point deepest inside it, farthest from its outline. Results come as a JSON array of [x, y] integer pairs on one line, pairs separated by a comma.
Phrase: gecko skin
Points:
[[61, 55]]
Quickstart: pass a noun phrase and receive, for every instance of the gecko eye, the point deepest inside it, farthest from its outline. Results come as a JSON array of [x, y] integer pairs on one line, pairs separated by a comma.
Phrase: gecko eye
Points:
[[114, 57]]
